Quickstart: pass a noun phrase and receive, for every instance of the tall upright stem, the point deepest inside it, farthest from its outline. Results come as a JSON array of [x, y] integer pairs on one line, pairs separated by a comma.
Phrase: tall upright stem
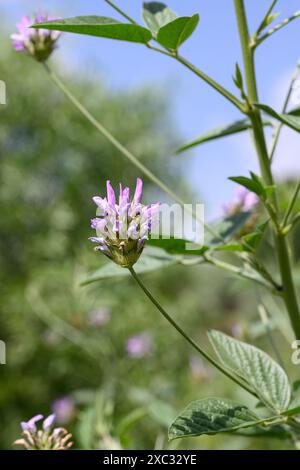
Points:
[[289, 293]]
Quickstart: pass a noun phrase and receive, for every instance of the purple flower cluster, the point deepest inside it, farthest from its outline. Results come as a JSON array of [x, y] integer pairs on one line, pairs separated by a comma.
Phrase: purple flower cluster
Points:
[[139, 346], [244, 201], [44, 438], [39, 43], [123, 227]]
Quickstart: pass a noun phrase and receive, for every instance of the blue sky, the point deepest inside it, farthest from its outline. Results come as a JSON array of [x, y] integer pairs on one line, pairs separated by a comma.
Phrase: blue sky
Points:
[[195, 107]]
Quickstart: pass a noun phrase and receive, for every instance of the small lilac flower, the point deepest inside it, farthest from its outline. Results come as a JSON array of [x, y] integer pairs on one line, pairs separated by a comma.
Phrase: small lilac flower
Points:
[[122, 228], [99, 317], [39, 43], [45, 438], [63, 408], [244, 201], [198, 369], [49, 421], [30, 425], [237, 330], [139, 346]]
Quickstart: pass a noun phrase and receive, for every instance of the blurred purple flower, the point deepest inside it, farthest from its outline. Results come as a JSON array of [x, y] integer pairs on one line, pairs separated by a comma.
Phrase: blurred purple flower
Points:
[[237, 330], [139, 346], [122, 228], [243, 201], [63, 408], [99, 317], [39, 43], [198, 369]]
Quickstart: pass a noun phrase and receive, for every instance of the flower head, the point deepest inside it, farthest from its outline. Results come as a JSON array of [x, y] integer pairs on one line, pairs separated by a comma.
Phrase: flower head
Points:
[[123, 225], [243, 201], [39, 43], [46, 437], [139, 346]]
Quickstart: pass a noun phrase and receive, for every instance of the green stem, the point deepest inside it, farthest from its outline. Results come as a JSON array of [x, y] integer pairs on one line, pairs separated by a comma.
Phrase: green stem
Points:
[[242, 273], [284, 109], [186, 336], [124, 151], [289, 293], [267, 14], [115, 7], [276, 28], [210, 81]]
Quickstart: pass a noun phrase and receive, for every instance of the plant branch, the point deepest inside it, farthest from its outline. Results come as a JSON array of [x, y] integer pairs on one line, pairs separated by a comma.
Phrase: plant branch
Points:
[[276, 28], [291, 205], [210, 81], [289, 292], [240, 271], [186, 336], [124, 151], [119, 10], [265, 18]]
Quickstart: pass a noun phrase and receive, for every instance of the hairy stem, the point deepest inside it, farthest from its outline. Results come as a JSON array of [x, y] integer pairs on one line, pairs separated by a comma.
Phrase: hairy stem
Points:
[[186, 336], [289, 293]]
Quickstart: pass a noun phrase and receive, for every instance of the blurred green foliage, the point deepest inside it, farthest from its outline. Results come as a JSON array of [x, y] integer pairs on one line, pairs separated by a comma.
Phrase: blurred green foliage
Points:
[[52, 163]]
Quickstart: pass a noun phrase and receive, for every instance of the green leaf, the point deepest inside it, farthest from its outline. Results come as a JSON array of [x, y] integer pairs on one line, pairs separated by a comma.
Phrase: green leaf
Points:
[[294, 112], [222, 131], [151, 259], [238, 79], [219, 132], [266, 377], [294, 408], [211, 416], [162, 413], [271, 18], [99, 26], [157, 15], [253, 239], [175, 33], [176, 246], [231, 247], [227, 228], [290, 120], [252, 185]]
